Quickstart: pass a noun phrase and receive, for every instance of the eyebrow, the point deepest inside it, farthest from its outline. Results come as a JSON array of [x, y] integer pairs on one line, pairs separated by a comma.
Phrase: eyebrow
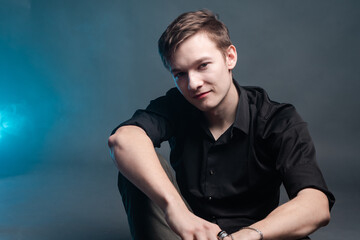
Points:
[[198, 61]]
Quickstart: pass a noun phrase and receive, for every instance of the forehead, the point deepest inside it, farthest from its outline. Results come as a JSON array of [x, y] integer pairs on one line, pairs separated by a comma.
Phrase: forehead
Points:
[[193, 49]]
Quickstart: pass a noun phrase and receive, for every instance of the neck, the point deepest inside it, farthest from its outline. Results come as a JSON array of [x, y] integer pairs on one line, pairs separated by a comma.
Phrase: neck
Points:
[[221, 118]]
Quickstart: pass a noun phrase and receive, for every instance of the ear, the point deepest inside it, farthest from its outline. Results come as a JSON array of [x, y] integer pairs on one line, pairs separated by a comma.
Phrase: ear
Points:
[[231, 57]]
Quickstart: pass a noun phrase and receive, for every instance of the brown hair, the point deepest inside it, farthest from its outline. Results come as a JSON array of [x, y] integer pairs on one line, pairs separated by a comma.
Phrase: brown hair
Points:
[[187, 25]]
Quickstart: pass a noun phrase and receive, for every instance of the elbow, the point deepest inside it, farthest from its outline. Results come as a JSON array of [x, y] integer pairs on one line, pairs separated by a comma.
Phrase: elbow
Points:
[[325, 218], [121, 144], [323, 214], [318, 207], [117, 144], [124, 137], [325, 211], [112, 140], [118, 139]]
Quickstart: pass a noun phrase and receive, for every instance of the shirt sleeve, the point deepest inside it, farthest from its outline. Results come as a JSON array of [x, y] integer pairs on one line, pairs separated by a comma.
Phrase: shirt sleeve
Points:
[[158, 119], [295, 153]]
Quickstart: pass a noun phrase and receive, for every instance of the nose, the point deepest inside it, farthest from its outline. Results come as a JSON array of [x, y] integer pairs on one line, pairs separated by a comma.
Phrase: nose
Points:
[[194, 81]]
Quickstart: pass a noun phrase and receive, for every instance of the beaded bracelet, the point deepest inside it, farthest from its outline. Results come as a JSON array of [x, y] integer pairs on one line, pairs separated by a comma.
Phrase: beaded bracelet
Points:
[[254, 229]]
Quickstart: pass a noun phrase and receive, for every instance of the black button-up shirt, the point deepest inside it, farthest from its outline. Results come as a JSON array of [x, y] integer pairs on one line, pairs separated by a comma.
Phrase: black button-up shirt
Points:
[[234, 180]]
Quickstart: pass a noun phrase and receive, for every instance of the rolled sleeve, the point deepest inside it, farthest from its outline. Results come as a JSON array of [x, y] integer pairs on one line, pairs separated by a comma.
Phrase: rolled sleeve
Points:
[[157, 120], [306, 176], [156, 127], [296, 158]]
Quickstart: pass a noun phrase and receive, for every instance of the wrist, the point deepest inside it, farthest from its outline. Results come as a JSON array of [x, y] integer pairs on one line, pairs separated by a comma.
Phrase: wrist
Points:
[[248, 233], [173, 203], [253, 232]]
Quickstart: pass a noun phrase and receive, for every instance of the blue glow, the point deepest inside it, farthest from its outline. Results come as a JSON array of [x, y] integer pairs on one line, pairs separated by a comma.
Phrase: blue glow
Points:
[[11, 121]]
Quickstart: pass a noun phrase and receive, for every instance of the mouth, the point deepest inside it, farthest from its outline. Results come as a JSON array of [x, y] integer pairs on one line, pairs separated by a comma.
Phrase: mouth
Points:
[[201, 95]]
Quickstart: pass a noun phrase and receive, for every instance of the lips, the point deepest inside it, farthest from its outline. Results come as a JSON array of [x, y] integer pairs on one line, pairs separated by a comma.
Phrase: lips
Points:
[[201, 95]]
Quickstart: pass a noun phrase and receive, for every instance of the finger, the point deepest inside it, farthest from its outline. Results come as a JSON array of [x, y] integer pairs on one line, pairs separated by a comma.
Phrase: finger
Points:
[[211, 235], [205, 235], [229, 237], [224, 235], [215, 230]]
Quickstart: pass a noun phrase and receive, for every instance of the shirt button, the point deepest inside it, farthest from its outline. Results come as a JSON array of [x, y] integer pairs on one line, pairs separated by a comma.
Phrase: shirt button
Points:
[[209, 198], [211, 172]]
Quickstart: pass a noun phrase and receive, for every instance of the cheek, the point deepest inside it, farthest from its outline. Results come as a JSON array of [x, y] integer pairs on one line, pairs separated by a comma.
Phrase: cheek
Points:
[[218, 70], [181, 86]]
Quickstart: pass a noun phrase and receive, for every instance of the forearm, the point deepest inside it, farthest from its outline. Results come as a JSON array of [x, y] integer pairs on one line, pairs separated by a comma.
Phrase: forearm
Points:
[[141, 165], [294, 219]]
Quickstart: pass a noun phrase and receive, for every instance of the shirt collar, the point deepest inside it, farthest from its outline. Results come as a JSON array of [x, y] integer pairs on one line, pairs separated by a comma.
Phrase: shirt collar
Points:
[[242, 117]]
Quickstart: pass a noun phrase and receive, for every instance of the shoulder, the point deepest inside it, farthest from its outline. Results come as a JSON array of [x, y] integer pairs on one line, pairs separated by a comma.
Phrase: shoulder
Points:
[[172, 106], [271, 115], [170, 100]]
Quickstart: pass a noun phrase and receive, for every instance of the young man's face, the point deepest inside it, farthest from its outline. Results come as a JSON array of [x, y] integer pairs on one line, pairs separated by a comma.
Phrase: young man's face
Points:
[[202, 73]]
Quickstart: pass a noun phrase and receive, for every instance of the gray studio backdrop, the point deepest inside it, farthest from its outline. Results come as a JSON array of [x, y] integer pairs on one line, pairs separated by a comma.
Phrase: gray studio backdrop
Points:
[[70, 71]]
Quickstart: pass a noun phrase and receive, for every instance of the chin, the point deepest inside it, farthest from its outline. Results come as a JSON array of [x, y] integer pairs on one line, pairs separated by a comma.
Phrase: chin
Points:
[[204, 105], [204, 108]]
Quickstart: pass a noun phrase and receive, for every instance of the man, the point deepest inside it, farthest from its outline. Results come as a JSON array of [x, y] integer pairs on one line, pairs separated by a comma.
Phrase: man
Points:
[[231, 148]]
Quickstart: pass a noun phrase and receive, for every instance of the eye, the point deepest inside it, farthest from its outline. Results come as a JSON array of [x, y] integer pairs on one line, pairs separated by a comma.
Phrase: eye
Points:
[[178, 75], [203, 65]]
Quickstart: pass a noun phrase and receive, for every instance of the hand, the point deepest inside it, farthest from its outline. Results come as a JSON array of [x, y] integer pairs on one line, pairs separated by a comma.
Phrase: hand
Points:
[[189, 226]]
